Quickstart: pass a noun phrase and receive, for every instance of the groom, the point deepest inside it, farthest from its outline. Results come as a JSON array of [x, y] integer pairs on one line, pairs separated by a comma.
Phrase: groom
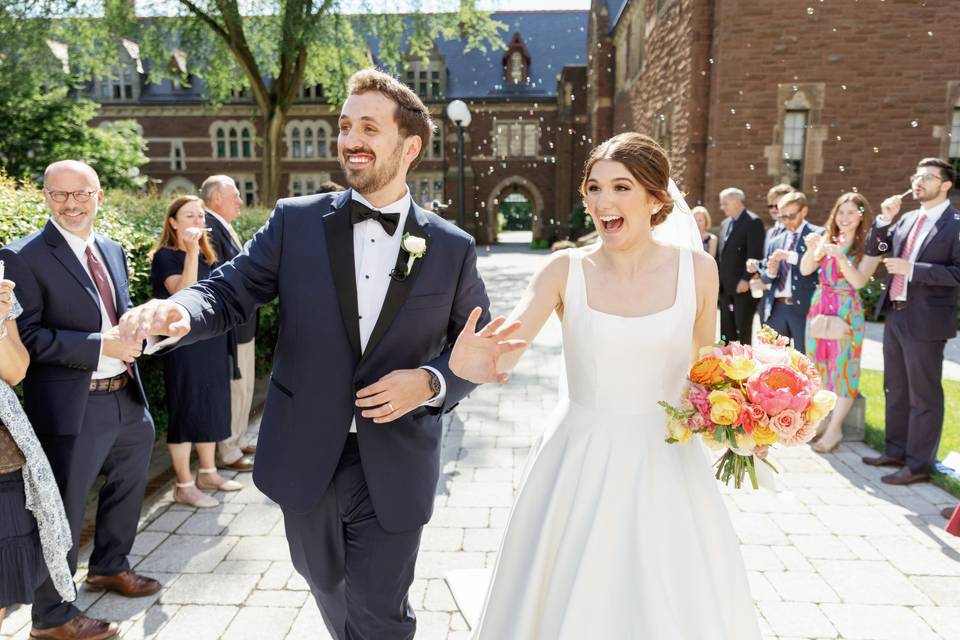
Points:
[[350, 437]]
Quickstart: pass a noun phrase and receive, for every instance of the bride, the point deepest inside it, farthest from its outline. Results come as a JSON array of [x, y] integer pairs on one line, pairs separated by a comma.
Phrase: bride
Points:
[[615, 534]]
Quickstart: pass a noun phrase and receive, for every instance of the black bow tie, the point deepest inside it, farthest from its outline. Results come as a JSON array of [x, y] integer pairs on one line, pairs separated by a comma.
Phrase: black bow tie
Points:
[[360, 212]]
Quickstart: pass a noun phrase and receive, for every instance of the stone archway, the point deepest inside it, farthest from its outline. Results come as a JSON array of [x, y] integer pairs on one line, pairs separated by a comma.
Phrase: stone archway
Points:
[[507, 186]]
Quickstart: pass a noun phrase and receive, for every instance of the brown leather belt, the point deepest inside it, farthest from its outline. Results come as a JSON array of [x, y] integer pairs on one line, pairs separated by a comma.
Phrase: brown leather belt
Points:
[[109, 385], [898, 305], [784, 300]]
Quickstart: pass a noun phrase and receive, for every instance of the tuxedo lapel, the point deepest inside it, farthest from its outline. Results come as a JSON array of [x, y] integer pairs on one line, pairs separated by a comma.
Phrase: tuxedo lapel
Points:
[[339, 236], [399, 289], [65, 255]]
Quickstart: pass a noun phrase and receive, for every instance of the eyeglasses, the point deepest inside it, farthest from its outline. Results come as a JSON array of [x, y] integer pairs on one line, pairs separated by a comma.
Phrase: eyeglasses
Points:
[[771, 207], [923, 177], [79, 196]]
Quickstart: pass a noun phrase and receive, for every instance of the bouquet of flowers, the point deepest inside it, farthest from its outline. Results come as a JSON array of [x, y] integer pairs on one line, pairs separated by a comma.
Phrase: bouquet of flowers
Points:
[[745, 399]]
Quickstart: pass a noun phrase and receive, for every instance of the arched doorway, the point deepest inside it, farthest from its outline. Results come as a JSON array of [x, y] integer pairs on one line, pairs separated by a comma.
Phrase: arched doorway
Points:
[[516, 212], [515, 208]]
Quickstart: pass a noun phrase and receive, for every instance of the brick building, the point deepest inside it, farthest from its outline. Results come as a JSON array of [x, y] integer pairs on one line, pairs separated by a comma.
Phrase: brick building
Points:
[[525, 146], [832, 95]]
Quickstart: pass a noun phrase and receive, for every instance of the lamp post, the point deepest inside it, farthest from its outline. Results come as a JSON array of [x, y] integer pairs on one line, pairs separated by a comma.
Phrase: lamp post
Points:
[[459, 114]]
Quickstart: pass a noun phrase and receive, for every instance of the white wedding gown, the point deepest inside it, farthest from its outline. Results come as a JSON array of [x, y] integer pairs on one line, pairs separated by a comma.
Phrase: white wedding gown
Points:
[[616, 535]]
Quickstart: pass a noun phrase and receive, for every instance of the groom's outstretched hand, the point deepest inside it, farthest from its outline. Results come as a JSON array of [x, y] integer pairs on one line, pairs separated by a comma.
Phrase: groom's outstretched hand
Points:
[[155, 318], [476, 353]]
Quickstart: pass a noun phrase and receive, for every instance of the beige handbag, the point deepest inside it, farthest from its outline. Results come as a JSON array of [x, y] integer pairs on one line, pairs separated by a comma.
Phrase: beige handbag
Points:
[[11, 458], [824, 327]]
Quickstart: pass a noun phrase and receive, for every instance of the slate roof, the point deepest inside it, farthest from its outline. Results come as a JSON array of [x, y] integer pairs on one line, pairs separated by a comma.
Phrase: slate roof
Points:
[[553, 38]]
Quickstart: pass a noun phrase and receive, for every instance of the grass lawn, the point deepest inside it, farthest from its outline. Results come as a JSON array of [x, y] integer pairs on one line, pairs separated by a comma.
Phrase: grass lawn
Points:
[[871, 385]]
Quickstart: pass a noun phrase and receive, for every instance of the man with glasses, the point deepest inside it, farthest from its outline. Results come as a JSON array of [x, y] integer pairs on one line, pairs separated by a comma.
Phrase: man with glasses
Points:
[[920, 303], [790, 292], [82, 392]]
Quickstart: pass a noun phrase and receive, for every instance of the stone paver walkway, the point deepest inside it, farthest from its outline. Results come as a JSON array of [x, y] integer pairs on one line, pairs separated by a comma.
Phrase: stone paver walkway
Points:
[[834, 554]]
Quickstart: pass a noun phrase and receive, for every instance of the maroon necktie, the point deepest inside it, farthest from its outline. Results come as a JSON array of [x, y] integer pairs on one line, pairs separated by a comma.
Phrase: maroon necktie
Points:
[[103, 285]]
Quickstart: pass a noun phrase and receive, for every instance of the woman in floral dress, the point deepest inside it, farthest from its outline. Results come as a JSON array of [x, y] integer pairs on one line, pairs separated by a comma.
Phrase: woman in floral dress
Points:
[[844, 270]]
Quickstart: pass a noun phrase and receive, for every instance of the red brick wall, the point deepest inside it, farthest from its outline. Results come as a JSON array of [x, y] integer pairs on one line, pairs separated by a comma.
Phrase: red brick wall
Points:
[[721, 64], [881, 71]]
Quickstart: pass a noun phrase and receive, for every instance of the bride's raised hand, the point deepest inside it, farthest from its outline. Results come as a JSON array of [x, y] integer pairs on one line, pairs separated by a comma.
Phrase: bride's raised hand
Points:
[[476, 353]]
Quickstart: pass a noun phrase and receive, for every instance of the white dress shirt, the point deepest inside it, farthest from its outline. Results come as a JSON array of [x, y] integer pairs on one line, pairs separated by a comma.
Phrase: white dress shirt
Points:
[[107, 367], [374, 257], [933, 216], [792, 259]]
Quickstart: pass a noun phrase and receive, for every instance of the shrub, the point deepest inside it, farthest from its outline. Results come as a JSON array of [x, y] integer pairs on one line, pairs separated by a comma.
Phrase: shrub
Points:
[[134, 220]]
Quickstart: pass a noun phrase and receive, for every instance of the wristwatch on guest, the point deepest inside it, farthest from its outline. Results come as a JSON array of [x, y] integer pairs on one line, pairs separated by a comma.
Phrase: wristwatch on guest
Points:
[[434, 383]]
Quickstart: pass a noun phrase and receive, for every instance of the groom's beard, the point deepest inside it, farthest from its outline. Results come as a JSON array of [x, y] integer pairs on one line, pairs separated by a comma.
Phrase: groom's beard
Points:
[[370, 180]]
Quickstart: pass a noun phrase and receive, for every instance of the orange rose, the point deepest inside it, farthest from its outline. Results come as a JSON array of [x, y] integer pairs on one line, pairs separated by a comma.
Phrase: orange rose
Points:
[[707, 371]]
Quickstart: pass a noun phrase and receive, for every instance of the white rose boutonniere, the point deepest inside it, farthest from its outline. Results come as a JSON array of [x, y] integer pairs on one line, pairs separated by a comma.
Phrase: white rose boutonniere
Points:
[[416, 248]]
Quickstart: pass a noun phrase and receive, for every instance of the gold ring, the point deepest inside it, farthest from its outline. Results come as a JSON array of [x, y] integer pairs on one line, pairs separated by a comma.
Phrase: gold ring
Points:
[[390, 406]]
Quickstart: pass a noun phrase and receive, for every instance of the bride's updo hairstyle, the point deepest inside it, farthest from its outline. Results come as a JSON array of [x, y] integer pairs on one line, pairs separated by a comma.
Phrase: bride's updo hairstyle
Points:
[[644, 159]]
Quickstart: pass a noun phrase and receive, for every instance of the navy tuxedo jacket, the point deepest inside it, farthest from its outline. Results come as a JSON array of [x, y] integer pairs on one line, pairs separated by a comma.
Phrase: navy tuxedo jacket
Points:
[[61, 323], [227, 249], [304, 255], [932, 293], [802, 286]]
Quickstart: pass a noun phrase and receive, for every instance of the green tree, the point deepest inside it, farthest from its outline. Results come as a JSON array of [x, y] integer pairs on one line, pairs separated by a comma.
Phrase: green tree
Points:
[[38, 127], [268, 48]]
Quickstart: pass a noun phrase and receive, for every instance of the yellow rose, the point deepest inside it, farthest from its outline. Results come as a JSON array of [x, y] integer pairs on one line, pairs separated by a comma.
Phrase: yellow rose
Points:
[[723, 409], [823, 403], [678, 431], [708, 439], [764, 435], [738, 368]]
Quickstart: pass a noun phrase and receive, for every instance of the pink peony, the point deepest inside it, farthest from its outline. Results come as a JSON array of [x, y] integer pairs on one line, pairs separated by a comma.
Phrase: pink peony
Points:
[[803, 435], [786, 424], [777, 388]]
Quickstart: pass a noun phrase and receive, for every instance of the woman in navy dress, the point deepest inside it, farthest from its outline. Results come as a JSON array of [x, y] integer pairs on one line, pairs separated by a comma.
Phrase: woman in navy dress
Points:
[[196, 376]]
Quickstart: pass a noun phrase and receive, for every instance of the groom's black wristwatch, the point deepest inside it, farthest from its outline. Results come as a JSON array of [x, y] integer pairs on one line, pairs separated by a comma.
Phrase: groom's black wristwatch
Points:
[[434, 383]]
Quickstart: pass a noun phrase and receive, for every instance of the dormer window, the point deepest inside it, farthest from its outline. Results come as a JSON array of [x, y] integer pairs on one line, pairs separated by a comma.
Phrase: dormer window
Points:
[[516, 67], [516, 61]]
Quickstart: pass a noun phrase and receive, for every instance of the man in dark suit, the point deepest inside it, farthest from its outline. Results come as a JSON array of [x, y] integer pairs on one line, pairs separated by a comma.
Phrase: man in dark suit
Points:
[[374, 291], [920, 303], [788, 298], [741, 238], [222, 203], [82, 391]]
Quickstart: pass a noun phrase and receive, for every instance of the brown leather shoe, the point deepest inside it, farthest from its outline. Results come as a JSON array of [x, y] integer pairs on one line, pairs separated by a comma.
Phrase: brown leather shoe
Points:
[[948, 512], [882, 461], [243, 464], [128, 584], [80, 628], [249, 450], [904, 476]]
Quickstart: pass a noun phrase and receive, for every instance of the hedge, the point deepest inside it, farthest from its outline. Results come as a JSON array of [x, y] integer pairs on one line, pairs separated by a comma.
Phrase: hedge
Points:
[[134, 220]]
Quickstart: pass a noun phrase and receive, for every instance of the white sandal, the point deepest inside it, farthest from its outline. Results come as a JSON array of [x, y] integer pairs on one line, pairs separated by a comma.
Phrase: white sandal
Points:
[[226, 485], [206, 502]]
